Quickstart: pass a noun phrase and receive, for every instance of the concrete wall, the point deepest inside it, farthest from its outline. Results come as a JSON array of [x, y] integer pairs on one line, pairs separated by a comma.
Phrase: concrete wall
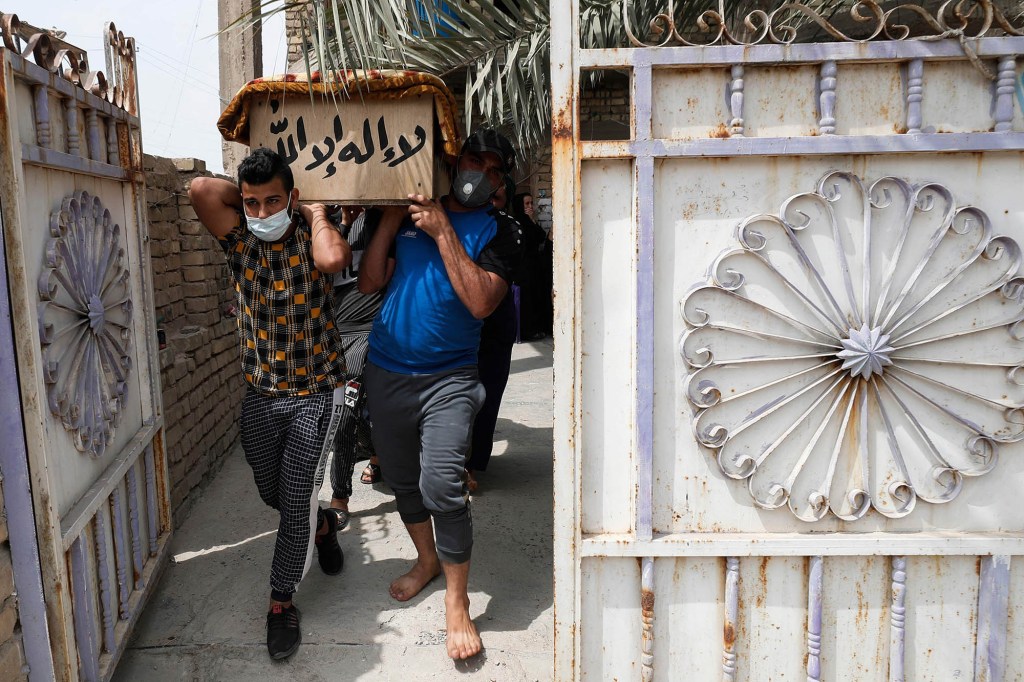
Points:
[[12, 657], [199, 367], [240, 59]]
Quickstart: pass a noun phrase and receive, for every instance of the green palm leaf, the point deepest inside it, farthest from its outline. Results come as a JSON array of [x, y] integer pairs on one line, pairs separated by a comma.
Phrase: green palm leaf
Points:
[[500, 47]]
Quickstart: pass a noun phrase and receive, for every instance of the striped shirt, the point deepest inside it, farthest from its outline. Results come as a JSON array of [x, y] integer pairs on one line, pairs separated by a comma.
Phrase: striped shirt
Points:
[[288, 342]]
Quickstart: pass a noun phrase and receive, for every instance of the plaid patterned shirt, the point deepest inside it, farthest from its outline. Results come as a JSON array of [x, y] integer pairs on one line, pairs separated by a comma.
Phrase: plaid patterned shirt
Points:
[[289, 345]]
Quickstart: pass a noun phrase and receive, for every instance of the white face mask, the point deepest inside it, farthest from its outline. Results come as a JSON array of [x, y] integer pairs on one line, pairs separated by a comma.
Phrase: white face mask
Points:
[[271, 228]]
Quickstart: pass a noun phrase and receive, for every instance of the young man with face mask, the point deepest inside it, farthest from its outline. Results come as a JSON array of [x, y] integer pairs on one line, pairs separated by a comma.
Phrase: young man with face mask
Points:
[[281, 258], [453, 260]]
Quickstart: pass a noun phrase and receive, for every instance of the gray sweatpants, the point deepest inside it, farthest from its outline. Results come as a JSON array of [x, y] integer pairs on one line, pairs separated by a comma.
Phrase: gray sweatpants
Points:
[[422, 428]]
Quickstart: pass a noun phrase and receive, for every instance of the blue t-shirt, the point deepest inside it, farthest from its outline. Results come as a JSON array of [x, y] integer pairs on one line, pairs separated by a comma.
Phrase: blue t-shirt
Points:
[[422, 326]]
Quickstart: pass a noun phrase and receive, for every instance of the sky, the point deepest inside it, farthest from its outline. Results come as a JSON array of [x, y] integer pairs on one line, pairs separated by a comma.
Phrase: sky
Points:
[[177, 62]]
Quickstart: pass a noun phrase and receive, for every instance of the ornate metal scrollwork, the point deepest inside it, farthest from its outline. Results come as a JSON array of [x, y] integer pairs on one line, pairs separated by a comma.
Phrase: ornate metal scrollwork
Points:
[[85, 321], [860, 349], [49, 50], [964, 19]]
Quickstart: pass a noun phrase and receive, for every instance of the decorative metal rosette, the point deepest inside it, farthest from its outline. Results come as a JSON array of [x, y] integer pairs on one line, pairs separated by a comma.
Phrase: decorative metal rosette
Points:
[[84, 321], [861, 349]]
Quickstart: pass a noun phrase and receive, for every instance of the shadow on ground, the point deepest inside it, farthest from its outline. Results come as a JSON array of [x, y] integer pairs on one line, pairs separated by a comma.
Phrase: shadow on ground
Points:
[[206, 620]]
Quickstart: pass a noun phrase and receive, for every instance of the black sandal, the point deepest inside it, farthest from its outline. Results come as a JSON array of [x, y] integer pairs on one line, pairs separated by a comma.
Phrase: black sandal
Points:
[[370, 475], [341, 515]]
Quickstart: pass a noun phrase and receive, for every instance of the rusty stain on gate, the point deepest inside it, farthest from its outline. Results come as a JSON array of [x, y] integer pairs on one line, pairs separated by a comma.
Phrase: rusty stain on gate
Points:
[[90, 541], [869, 605]]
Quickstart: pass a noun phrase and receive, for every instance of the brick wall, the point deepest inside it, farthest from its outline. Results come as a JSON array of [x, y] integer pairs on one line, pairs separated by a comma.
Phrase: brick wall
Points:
[[12, 658], [538, 184], [202, 387], [604, 107], [202, 384], [292, 29], [604, 115]]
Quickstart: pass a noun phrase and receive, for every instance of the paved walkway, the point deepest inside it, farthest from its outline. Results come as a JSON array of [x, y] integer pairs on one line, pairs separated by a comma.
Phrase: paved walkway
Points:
[[206, 620]]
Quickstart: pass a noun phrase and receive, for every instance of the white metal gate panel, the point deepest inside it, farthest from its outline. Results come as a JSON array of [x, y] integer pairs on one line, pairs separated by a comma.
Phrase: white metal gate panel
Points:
[[78, 273], [788, 334]]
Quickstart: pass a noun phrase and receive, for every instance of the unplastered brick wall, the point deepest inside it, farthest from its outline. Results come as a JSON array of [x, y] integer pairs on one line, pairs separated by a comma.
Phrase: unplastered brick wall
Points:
[[12, 658], [293, 30], [539, 185], [605, 108], [202, 383]]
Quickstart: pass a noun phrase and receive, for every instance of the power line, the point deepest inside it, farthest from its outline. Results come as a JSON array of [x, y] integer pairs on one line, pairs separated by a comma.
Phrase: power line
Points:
[[178, 71], [277, 55], [164, 56], [182, 76], [194, 85], [188, 59]]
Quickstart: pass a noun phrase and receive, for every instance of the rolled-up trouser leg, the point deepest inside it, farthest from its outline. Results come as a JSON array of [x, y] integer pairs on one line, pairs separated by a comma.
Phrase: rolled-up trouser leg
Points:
[[422, 426], [450, 405]]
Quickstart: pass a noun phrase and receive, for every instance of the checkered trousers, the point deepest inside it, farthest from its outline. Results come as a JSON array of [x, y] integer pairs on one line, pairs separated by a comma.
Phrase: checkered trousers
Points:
[[283, 439]]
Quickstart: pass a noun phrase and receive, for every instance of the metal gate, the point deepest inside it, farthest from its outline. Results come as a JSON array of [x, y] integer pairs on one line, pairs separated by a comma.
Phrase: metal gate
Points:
[[88, 453], [788, 350]]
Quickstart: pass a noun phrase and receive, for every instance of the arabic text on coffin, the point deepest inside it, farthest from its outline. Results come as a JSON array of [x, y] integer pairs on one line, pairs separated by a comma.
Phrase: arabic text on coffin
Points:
[[351, 151]]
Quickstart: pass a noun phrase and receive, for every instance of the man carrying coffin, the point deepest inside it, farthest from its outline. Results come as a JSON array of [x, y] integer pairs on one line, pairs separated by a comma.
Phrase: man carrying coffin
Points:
[[453, 260], [281, 258]]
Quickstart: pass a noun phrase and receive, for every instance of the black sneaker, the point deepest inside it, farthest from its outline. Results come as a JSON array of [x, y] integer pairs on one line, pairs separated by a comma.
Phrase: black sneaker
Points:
[[328, 551], [283, 633]]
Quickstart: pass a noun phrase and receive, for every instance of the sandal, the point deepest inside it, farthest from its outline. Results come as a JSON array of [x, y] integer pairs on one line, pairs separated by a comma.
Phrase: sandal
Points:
[[341, 515], [371, 474]]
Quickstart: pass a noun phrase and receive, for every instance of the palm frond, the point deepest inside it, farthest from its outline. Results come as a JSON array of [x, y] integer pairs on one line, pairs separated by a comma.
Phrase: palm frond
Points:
[[498, 48], [501, 48]]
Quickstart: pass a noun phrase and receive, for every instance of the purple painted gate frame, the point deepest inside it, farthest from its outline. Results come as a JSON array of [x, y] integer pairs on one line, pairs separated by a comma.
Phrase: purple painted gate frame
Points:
[[21, 525]]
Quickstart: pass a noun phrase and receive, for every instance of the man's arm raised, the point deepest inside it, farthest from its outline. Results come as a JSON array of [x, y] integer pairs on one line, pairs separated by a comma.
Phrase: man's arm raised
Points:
[[479, 290], [331, 253], [376, 268], [217, 202]]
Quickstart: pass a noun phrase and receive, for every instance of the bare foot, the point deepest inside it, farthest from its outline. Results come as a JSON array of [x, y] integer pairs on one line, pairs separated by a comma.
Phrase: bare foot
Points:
[[409, 585], [463, 639]]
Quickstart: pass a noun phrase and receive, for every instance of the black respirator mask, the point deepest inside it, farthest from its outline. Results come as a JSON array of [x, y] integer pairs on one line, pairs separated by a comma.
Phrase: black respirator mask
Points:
[[472, 189]]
